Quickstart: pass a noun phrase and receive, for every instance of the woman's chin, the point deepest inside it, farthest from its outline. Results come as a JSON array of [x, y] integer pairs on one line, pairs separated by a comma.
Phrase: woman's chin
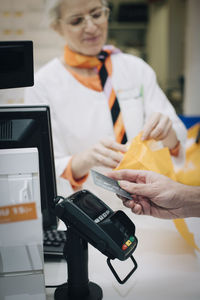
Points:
[[91, 51]]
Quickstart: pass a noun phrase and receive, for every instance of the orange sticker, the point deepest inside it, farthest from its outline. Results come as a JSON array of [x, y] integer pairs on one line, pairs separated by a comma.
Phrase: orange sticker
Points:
[[18, 213]]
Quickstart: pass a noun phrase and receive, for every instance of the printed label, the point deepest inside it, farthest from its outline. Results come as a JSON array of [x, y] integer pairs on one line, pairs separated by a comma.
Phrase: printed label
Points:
[[18, 212]]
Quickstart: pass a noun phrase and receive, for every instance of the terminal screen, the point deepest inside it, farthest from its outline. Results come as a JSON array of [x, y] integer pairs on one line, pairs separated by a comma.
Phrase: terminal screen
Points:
[[90, 205]]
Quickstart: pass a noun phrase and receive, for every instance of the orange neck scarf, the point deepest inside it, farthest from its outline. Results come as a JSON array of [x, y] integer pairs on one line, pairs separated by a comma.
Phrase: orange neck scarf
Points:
[[74, 59]]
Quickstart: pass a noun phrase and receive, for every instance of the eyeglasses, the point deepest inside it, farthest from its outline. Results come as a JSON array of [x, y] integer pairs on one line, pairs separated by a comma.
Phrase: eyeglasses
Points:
[[98, 16]]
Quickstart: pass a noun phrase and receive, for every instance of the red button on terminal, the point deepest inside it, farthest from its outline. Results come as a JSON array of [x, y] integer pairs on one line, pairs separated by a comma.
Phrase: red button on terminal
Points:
[[124, 247]]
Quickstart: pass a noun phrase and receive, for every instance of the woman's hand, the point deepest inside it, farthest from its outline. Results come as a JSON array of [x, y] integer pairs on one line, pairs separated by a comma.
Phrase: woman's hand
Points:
[[159, 127], [106, 153]]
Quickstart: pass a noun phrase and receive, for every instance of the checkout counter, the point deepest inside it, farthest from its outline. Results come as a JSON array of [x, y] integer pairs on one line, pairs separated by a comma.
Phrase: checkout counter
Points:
[[167, 267]]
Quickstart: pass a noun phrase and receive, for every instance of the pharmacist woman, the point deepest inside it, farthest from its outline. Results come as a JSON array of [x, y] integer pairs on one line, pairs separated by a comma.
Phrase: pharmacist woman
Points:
[[100, 98]]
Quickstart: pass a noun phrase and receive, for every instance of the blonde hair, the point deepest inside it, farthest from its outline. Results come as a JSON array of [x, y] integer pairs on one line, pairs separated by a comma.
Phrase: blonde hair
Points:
[[52, 9]]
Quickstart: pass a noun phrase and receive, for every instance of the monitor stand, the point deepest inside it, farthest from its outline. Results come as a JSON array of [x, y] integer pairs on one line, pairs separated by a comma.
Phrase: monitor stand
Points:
[[78, 286]]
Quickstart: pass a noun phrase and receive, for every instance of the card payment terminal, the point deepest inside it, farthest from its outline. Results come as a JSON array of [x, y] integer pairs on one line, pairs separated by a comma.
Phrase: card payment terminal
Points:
[[90, 220], [112, 233]]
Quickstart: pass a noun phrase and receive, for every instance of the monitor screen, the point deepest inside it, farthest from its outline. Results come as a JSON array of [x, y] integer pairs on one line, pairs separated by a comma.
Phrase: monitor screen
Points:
[[16, 64], [30, 127]]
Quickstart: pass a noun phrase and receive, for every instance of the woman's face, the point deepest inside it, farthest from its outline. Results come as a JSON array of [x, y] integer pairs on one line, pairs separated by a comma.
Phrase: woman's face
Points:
[[81, 32]]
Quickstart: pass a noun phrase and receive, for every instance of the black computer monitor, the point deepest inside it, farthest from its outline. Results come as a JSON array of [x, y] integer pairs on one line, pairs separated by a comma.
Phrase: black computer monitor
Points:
[[16, 64], [27, 127]]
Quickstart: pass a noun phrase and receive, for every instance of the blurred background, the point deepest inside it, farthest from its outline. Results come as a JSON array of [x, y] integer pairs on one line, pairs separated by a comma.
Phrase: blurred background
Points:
[[165, 33]]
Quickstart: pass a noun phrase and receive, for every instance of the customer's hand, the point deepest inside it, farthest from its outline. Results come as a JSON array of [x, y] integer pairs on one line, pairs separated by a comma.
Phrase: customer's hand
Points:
[[106, 153], [159, 127], [157, 195]]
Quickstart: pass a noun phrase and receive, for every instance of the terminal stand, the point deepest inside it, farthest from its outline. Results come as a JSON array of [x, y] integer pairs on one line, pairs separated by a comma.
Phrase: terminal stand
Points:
[[78, 286]]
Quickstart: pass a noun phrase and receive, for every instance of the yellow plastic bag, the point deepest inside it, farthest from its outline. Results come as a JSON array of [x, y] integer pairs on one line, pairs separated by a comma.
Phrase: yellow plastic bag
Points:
[[147, 155]]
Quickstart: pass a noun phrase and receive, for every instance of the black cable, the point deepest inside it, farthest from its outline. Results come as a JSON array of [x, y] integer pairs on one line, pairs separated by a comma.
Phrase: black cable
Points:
[[58, 198], [54, 286]]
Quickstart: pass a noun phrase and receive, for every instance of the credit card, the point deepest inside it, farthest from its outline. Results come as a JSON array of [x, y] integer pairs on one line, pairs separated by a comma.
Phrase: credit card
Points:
[[109, 184]]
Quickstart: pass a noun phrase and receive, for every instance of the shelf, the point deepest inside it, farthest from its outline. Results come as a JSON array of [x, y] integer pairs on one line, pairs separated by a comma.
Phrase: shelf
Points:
[[127, 26]]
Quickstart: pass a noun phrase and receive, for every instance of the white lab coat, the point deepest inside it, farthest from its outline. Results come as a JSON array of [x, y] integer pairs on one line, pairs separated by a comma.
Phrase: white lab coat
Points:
[[81, 116]]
